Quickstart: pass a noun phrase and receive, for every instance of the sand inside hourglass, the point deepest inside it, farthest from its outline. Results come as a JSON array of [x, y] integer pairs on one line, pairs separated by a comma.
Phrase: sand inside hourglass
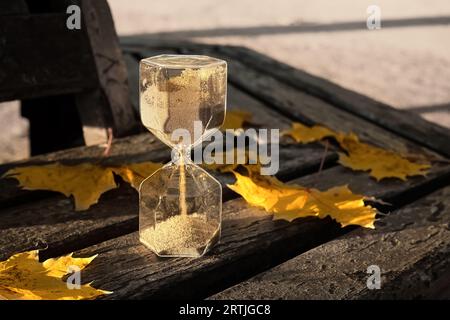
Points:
[[180, 235]]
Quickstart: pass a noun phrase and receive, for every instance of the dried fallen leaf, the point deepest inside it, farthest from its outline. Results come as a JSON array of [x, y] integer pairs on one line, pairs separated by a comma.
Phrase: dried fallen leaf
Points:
[[235, 119], [379, 162], [304, 134], [22, 276], [85, 182], [289, 202], [341, 204], [57, 267], [269, 193]]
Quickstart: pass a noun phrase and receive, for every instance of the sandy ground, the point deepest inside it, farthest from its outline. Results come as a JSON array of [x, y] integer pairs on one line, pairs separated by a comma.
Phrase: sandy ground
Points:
[[407, 67]]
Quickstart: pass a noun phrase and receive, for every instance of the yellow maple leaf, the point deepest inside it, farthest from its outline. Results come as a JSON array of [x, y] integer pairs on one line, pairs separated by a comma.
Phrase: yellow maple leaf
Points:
[[289, 202], [379, 162], [85, 182], [57, 267], [304, 134], [22, 276], [235, 119], [269, 193], [342, 205]]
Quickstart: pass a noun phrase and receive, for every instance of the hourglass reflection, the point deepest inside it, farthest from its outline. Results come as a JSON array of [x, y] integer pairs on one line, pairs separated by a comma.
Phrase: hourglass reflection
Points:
[[180, 205]]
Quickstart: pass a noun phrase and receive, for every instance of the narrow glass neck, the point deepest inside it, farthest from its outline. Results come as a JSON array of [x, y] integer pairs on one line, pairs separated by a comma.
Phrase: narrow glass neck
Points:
[[181, 155]]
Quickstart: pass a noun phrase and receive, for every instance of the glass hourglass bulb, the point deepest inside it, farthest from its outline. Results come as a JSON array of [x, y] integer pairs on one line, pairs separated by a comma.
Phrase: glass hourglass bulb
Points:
[[180, 205]]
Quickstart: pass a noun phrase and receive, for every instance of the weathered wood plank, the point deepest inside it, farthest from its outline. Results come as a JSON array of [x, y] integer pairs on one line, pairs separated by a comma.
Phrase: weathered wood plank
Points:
[[113, 107], [294, 104], [251, 243], [71, 68], [133, 79], [309, 109], [296, 160], [13, 7], [138, 148], [45, 221], [403, 123], [411, 246]]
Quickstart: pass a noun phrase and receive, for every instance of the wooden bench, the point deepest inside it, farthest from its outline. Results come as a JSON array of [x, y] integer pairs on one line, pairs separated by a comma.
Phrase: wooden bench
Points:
[[72, 83], [257, 257]]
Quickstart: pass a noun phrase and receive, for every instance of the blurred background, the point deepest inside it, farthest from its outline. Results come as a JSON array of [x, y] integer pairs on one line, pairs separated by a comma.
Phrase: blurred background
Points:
[[405, 64]]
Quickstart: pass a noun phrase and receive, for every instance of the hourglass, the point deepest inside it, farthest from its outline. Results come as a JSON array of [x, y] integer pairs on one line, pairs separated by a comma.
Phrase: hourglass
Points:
[[180, 205]]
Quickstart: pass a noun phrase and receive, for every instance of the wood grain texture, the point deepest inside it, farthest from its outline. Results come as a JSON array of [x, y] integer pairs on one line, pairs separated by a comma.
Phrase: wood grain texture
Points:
[[410, 245]]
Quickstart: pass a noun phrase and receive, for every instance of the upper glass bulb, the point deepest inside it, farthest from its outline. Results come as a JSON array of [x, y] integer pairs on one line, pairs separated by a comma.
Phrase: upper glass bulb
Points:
[[181, 92]]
